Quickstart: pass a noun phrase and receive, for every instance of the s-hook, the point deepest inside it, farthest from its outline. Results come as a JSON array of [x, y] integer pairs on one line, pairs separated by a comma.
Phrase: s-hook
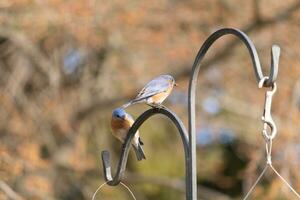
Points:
[[267, 117]]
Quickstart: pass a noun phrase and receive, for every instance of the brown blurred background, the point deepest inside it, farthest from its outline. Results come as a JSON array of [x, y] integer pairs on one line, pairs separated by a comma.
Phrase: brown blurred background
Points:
[[64, 65]]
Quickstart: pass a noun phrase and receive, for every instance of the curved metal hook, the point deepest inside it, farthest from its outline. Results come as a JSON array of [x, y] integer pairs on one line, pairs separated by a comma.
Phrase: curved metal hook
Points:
[[275, 52], [115, 180]]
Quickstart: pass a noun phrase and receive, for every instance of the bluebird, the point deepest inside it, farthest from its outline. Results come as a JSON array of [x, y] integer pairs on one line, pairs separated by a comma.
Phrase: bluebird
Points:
[[121, 122], [155, 92]]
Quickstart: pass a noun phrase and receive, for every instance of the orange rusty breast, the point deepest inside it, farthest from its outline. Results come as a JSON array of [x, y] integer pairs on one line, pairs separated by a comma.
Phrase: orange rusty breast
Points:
[[117, 124], [160, 97]]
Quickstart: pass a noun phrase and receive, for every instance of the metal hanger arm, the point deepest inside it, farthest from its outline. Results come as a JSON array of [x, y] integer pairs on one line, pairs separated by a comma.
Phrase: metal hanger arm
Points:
[[116, 179]]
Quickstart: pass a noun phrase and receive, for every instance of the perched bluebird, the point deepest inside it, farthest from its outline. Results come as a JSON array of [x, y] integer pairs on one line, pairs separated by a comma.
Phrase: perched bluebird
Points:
[[121, 122], [155, 92]]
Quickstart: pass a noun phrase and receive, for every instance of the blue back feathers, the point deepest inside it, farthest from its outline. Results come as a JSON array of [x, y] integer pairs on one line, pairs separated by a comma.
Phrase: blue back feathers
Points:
[[169, 77]]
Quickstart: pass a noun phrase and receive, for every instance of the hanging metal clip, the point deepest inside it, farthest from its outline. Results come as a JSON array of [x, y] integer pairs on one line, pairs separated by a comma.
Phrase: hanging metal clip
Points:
[[267, 118]]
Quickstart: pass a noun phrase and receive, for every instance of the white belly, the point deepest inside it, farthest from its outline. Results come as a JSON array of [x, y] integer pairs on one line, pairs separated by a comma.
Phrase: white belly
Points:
[[122, 133]]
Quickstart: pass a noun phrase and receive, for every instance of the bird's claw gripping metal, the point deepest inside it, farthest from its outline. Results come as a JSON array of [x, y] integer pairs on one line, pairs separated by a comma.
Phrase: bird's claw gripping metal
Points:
[[267, 117]]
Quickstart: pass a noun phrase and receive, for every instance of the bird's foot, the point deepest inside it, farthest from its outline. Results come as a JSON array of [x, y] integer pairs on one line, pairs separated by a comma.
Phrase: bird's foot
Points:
[[157, 106]]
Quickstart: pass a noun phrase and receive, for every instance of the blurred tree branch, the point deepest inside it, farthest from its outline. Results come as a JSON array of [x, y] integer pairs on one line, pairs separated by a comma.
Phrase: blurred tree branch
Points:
[[257, 14], [42, 64], [9, 192]]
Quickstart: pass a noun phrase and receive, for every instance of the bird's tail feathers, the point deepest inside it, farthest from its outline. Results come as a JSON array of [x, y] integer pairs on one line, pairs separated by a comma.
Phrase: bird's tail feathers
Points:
[[139, 152], [132, 102], [128, 104]]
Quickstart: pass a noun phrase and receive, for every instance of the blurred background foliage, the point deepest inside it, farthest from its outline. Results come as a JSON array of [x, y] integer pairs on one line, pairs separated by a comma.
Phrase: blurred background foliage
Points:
[[64, 65]]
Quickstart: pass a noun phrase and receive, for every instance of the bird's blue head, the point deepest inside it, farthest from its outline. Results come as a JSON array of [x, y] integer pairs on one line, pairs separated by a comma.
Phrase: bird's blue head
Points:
[[170, 79], [119, 113]]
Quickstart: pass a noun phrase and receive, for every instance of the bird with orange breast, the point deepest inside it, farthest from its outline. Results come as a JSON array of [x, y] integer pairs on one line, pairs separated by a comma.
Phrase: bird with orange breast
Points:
[[155, 92], [121, 122]]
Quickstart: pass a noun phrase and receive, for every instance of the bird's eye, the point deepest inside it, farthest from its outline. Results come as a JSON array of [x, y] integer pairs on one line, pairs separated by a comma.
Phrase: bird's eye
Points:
[[118, 116]]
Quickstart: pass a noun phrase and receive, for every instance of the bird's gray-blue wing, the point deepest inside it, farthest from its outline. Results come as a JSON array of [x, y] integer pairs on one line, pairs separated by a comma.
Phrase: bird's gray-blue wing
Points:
[[155, 86]]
